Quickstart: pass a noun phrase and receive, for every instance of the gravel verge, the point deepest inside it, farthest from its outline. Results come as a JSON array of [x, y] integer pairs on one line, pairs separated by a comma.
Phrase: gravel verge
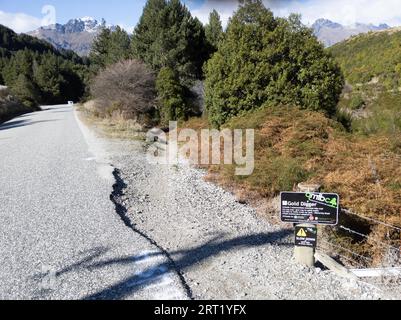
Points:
[[220, 248]]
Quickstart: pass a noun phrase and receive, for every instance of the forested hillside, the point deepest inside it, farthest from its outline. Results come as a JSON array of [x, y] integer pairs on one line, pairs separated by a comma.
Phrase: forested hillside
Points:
[[36, 73], [371, 64], [369, 56]]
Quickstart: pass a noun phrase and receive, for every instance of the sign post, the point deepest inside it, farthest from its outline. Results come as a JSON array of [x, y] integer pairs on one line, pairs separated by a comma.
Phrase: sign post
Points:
[[306, 209], [305, 244]]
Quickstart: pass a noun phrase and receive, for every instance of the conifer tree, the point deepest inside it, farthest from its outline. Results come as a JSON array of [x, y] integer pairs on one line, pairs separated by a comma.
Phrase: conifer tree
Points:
[[264, 59], [100, 49], [25, 91], [48, 78], [214, 30], [168, 36]]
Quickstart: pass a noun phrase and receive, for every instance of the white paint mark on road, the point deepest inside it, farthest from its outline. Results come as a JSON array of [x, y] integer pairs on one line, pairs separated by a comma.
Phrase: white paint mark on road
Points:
[[152, 269], [96, 148]]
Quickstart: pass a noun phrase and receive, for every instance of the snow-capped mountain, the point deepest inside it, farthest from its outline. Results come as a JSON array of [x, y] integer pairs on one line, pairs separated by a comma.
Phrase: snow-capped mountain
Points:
[[330, 32], [77, 34]]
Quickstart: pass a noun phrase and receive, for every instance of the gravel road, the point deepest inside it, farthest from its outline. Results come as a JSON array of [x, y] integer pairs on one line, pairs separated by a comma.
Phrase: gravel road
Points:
[[75, 227]]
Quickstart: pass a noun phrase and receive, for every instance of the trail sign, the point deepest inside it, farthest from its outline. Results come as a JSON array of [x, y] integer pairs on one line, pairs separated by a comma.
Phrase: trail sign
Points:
[[305, 236], [310, 207]]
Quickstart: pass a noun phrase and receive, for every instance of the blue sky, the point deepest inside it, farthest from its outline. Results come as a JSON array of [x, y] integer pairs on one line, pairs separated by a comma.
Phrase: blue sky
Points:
[[23, 16], [121, 12]]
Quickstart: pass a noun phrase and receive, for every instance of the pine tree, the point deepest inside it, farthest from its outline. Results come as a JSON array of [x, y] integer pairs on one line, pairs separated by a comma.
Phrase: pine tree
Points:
[[100, 49], [20, 63], [110, 47], [168, 36], [48, 78], [25, 91], [147, 37], [119, 47], [214, 30]]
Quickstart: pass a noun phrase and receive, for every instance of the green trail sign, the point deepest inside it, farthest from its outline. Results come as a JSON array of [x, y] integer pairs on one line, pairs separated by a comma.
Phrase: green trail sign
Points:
[[310, 207]]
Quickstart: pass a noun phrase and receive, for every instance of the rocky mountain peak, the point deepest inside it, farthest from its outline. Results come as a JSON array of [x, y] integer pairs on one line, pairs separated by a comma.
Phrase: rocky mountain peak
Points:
[[330, 32]]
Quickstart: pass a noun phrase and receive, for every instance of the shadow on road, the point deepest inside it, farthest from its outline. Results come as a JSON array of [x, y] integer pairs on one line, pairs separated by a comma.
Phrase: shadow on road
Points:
[[184, 260], [22, 123]]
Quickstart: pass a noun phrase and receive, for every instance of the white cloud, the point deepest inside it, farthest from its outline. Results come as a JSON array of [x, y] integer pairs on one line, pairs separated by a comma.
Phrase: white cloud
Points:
[[342, 11], [128, 28], [19, 22], [224, 8]]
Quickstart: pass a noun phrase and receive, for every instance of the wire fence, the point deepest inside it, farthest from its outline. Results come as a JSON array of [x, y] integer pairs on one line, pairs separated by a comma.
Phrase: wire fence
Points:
[[371, 219], [356, 259]]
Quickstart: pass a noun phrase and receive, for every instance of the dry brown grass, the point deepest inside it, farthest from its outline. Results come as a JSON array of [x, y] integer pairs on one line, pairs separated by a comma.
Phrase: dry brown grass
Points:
[[293, 146], [115, 126]]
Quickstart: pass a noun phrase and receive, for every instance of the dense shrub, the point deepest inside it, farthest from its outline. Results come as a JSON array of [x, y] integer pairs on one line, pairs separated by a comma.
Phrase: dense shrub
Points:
[[126, 86], [267, 59], [384, 116], [356, 102]]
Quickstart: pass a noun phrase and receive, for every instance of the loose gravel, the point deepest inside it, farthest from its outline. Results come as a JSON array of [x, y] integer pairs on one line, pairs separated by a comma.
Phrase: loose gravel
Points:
[[220, 247]]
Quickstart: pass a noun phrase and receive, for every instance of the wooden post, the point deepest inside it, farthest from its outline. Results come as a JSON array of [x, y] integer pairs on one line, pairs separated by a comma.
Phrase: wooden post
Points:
[[306, 255]]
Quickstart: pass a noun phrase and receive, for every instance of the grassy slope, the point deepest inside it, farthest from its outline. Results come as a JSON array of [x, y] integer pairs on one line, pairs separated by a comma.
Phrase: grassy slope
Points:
[[376, 54], [371, 64]]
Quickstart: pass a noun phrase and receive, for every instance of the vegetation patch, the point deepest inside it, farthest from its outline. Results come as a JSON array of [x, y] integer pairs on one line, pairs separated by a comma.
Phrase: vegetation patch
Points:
[[11, 107], [294, 145], [38, 74]]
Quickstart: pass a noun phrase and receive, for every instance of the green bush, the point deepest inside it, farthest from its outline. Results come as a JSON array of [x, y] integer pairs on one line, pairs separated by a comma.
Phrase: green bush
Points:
[[11, 107], [281, 173], [267, 59], [356, 102], [170, 94]]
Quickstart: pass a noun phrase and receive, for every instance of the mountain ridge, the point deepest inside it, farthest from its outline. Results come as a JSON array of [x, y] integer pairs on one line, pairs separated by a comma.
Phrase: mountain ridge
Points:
[[76, 35], [331, 33]]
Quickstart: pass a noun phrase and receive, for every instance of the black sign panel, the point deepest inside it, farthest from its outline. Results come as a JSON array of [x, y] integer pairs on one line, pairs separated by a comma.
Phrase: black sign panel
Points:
[[306, 236], [310, 207]]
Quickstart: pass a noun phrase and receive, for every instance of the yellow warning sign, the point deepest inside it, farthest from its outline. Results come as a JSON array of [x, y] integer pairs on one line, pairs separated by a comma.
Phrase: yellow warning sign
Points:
[[302, 233]]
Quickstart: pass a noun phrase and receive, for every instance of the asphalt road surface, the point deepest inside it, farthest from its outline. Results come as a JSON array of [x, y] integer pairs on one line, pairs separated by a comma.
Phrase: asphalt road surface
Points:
[[60, 234]]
